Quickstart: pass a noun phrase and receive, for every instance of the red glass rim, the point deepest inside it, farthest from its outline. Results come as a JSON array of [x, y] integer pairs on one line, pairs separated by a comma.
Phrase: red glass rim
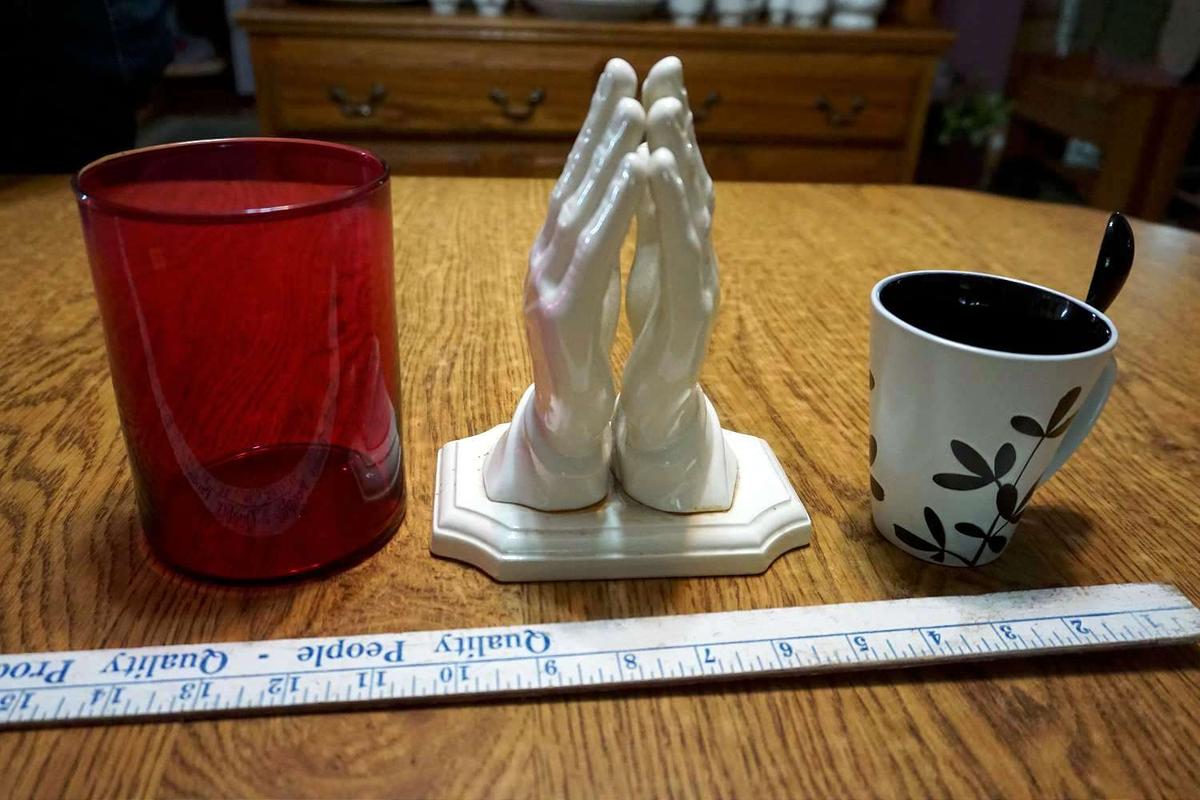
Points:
[[244, 158]]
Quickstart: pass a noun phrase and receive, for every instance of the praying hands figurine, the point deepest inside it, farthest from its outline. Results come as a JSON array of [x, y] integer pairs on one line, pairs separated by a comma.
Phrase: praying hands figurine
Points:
[[534, 499], [670, 451]]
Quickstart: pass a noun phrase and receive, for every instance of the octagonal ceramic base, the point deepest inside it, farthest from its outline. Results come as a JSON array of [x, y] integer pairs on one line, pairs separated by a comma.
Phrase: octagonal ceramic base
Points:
[[618, 538]]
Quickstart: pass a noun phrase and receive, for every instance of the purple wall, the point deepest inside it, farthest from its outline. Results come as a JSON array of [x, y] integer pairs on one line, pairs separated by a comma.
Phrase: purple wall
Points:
[[987, 33]]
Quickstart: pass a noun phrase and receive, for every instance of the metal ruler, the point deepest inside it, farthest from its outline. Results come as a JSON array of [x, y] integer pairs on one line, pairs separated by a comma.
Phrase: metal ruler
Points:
[[395, 668]]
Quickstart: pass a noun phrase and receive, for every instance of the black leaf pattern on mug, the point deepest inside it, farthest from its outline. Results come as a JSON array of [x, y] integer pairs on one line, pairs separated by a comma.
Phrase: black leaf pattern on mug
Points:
[[935, 526], [960, 483], [1028, 426], [1006, 458], [1009, 509], [1025, 500], [914, 541], [936, 548], [1006, 502], [876, 490], [1064, 405], [970, 529], [1062, 428], [970, 458]]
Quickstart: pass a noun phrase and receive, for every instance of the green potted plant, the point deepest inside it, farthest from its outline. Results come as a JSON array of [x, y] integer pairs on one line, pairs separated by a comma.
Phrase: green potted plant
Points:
[[969, 128]]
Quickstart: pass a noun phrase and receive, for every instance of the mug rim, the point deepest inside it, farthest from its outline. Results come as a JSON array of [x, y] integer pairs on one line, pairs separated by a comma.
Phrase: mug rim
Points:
[[89, 197], [1004, 355]]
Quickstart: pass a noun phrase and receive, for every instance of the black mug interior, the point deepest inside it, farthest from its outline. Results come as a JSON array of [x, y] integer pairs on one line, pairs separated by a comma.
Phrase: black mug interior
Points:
[[994, 313]]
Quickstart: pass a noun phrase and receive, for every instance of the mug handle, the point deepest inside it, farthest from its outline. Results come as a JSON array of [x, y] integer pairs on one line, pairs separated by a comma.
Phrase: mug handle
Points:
[[1085, 418]]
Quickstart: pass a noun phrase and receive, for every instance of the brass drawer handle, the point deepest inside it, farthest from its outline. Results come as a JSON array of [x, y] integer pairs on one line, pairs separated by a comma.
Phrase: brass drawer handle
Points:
[[841, 119], [711, 101], [515, 111], [352, 109]]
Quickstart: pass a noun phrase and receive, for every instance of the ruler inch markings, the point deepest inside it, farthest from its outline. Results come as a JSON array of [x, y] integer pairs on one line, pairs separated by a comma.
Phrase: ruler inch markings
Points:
[[444, 664]]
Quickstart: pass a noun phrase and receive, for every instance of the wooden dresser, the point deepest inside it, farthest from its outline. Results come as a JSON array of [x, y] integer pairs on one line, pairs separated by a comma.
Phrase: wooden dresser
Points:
[[464, 95]]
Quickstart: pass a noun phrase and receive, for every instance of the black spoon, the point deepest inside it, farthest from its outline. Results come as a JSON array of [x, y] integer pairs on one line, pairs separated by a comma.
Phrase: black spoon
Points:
[[1112, 263]]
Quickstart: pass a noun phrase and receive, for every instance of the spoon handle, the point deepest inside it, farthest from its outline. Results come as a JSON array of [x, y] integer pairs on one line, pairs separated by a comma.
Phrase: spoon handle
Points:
[[1112, 263]]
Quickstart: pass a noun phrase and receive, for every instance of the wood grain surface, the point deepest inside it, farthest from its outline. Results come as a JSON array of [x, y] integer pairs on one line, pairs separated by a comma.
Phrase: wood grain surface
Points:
[[788, 363]]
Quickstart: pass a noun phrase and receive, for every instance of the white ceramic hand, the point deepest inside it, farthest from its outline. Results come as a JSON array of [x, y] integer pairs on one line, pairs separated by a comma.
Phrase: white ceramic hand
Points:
[[671, 453], [664, 80], [555, 455]]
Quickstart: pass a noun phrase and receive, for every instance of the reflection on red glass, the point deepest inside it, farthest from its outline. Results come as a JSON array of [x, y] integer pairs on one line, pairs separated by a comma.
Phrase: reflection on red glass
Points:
[[247, 297]]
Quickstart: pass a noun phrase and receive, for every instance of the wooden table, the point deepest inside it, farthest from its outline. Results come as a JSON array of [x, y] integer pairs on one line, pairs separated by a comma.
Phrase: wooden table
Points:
[[788, 363]]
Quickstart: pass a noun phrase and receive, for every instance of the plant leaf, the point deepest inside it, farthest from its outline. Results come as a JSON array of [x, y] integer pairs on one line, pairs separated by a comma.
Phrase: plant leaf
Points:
[[1006, 457], [874, 451], [1064, 405], [912, 540], [939, 556], [960, 483], [969, 458], [1006, 501], [1028, 426], [1061, 429], [935, 526], [970, 529], [876, 489], [997, 543]]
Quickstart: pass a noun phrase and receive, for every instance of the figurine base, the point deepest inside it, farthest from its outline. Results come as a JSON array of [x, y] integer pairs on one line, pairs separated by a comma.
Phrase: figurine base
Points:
[[618, 538]]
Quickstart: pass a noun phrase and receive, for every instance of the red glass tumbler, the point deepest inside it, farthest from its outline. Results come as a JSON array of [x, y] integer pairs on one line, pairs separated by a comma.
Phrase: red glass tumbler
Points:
[[247, 297]]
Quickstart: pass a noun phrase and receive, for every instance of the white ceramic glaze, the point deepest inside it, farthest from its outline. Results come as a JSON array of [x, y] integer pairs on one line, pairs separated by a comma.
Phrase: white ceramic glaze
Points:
[[490, 8], [777, 11], [686, 12], [731, 13], [444, 8], [555, 456], [935, 402], [670, 451], [855, 14], [619, 538], [808, 13]]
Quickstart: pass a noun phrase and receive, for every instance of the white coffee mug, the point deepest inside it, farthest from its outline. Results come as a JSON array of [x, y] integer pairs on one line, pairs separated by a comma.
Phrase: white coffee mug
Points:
[[981, 388]]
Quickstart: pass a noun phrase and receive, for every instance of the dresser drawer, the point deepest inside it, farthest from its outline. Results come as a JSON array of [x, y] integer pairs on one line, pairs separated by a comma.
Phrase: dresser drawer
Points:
[[523, 89], [821, 97], [425, 87]]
